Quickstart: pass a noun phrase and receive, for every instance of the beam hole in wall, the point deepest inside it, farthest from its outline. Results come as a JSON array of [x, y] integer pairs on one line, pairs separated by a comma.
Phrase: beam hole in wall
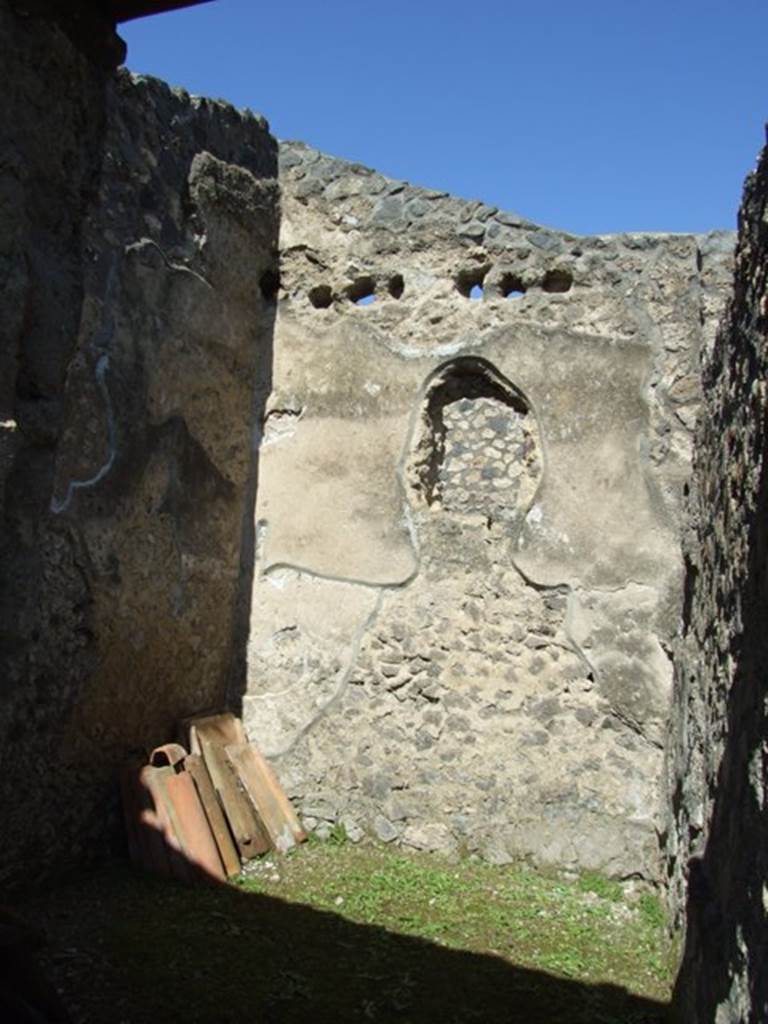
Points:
[[396, 286], [477, 448], [557, 281], [511, 287], [469, 282], [269, 285], [362, 291], [321, 296]]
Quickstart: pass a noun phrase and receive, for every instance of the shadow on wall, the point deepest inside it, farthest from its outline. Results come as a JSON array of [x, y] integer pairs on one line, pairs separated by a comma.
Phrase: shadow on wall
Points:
[[724, 970], [238, 673], [726, 902], [137, 348]]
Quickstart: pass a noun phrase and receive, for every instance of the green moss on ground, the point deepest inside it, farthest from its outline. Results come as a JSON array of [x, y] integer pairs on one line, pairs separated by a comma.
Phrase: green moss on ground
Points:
[[338, 933]]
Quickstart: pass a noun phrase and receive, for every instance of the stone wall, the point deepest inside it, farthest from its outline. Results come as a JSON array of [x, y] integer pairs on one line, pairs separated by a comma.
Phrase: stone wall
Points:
[[718, 857], [138, 235], [468, 574]]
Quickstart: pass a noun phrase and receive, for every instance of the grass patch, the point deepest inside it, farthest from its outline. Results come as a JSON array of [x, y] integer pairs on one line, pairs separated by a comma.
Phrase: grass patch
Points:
[[606, 888], [336, 932], [583, 929]]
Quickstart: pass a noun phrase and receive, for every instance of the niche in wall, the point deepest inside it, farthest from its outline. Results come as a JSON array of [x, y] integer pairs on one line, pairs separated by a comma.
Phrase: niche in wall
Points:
[[477, 447]]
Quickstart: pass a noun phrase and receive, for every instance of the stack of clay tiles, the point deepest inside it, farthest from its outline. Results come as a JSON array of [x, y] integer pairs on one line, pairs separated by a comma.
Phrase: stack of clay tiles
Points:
[[201, 807]]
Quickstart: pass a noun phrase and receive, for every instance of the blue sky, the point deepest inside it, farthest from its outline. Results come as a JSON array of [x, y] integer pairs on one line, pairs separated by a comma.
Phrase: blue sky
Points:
[[590, 116]]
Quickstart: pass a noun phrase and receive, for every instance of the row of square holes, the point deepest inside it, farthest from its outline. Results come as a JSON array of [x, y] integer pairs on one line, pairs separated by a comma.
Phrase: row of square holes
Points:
[[469, 283], [362, 291]]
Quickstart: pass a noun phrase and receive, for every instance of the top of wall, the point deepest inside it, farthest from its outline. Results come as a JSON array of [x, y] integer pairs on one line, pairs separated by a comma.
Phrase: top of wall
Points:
[[126, 10], [380, 202], [345, 228]]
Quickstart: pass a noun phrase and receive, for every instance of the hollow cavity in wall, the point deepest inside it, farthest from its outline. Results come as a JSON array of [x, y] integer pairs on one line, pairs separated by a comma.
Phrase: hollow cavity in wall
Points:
[[476, 448]]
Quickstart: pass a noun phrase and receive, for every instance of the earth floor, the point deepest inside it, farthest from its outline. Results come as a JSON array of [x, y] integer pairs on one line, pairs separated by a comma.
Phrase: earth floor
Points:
[[336, 932]]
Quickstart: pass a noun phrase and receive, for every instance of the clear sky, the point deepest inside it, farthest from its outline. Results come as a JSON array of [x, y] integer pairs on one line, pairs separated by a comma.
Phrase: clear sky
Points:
[[590, 116]]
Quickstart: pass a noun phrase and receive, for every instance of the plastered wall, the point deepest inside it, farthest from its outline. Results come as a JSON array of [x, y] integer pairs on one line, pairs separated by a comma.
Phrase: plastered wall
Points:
[[468, 572]]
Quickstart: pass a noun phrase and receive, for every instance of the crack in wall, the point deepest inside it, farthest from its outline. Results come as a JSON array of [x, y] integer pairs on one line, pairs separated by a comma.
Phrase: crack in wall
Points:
[[101, 341], [57, 507], [142, 244], [357, 640]]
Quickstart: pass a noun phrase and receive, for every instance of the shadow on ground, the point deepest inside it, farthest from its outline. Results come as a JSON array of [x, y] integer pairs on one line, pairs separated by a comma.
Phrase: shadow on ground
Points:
[[130, 949]]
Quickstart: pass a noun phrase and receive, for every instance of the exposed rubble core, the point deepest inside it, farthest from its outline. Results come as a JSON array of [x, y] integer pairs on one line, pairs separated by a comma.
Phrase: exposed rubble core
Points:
[[478, 450], [468, 573], [718, 821]]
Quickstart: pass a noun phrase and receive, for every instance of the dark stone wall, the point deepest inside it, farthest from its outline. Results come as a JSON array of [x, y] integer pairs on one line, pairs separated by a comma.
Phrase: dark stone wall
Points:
[[136, 226], [52, 124], [717, 848]]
